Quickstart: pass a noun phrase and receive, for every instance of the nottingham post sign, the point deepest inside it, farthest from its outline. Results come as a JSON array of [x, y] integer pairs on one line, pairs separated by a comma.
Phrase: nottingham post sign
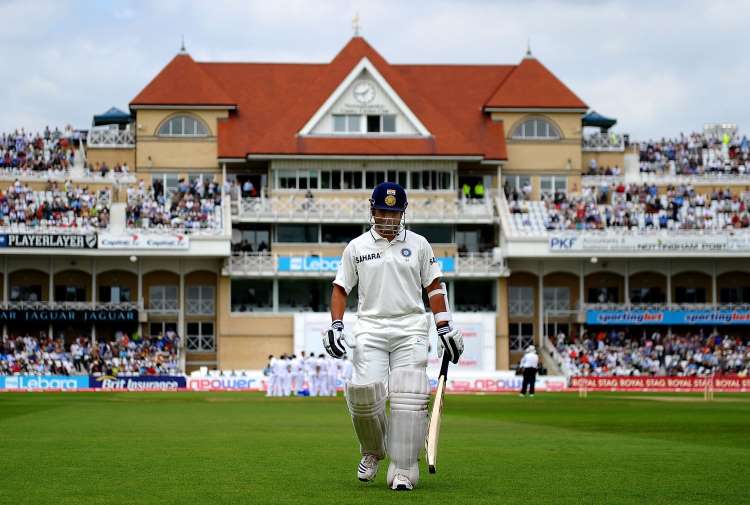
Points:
[[73, 315]]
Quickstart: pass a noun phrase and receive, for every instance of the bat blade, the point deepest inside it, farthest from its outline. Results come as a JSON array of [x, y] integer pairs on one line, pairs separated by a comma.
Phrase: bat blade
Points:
[[433, 432]]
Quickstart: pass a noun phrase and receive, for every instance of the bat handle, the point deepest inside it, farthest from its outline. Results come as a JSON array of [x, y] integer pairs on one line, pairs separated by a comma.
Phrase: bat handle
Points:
[[444, 365]]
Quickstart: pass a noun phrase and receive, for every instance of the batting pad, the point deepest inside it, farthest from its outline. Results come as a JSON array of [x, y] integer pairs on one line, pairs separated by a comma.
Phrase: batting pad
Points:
[[407, 428], [367, 407]]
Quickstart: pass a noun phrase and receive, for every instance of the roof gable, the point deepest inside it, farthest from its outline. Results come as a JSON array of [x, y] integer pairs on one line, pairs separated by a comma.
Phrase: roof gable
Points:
[[182, 82], [532, 85], [365, 78]]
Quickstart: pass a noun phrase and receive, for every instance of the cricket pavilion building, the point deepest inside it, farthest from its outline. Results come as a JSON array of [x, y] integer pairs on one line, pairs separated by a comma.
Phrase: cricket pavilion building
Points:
[[296, 149]]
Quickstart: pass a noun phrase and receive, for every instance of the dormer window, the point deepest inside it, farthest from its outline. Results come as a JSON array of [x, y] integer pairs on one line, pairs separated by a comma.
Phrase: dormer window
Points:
[[361, 124], [183, 126], [536, 129]]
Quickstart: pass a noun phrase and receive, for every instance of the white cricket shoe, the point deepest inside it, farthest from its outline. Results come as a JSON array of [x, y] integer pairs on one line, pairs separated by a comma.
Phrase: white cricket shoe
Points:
[[368, 468], [401, 483]]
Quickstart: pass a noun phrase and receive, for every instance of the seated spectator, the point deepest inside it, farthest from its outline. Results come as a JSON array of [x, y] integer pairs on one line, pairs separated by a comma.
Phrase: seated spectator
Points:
[[194, 205], [61, 207], [625, 352]]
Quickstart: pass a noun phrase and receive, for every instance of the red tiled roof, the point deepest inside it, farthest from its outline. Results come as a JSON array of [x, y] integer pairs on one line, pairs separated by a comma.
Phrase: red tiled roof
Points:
[[275, 100], [532, 85], [182, 82]]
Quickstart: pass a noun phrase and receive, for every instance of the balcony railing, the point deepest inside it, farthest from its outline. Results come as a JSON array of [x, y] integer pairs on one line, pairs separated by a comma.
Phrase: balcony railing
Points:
[[614, 142], [200, 307], [356, 210], [267, 265], [165, 306], [111, 138], [521, 307]]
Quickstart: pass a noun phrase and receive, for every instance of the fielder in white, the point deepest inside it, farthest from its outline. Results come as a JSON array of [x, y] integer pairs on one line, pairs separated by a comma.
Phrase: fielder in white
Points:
[[391, 266]]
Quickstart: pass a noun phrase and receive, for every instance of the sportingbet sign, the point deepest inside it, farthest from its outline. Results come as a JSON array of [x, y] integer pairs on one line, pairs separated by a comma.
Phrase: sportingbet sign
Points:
[[719, 317], [331, 264]]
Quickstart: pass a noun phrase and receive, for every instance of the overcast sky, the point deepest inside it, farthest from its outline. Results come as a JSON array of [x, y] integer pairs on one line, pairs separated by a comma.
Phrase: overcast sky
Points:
[[659, 67]]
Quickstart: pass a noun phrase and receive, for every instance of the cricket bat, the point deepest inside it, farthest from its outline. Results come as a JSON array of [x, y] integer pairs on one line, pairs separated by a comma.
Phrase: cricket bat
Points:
[[433, 431]]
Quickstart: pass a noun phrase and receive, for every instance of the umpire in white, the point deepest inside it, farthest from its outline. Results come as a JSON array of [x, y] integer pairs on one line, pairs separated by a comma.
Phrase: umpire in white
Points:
[[391, 266], [529, 365]]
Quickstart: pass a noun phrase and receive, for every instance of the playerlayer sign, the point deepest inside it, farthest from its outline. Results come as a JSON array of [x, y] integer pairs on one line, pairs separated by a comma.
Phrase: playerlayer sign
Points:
[[730, 317], [48, 241], [162, 241], [730, 383], [331, 263], [629, 242]]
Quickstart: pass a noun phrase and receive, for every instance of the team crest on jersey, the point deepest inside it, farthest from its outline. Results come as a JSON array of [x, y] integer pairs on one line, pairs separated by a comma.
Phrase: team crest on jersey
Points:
[[405, 252], [390, 200]]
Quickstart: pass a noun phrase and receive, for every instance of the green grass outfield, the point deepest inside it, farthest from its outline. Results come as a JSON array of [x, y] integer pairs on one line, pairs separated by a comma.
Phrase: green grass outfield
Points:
[[235, 448]]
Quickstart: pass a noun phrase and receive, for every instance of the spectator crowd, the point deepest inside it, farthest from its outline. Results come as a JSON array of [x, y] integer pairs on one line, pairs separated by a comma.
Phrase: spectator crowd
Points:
[[696, 154], [626, 353], [192, 205], [59, 205], [123, 355], [643, 207], [47, 152]]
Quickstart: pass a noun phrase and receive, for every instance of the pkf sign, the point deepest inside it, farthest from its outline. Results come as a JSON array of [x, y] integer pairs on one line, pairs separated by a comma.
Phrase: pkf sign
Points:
[[562, 243]]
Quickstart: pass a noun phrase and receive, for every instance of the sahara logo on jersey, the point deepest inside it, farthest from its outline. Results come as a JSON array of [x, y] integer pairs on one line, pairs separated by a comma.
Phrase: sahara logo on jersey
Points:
[[367, 257]]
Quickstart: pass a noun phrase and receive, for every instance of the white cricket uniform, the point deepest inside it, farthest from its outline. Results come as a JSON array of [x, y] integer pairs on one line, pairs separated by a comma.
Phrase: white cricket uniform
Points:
[[280, 371], [392, 326], [529, 360], [272, 377], [346, 371], [286, 378], [318, 377], [298, 374], [309, 370], [333, 376]]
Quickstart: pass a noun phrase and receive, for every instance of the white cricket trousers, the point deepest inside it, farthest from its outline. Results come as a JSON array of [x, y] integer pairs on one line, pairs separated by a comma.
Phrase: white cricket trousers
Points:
[[377, 353]]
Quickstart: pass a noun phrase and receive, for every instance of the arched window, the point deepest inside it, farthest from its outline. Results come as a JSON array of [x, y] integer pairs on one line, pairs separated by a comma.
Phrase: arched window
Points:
[[536, 128], [183, 126]]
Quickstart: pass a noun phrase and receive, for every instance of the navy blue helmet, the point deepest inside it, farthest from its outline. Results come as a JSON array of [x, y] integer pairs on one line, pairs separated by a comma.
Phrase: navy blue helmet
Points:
[[388, 196]]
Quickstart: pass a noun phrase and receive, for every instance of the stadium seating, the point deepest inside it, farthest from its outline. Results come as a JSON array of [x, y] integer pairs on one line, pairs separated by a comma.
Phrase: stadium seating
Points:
[[63, 206], [621, 353], [697, 153], [45, 153], [634, 207], [191, 207], [27, 355]]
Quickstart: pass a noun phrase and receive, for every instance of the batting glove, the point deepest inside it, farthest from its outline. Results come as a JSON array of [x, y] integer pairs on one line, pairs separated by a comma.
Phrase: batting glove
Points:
[[334, 339], [450, 341]]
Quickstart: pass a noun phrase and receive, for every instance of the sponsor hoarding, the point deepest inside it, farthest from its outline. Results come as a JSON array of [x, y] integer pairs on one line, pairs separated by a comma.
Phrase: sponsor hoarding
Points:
[[697, 384], [712, 317]]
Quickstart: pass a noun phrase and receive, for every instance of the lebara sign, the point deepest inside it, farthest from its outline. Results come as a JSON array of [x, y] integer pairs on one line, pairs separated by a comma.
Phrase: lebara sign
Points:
[[331, 264], [709, 317], [43, 382]]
